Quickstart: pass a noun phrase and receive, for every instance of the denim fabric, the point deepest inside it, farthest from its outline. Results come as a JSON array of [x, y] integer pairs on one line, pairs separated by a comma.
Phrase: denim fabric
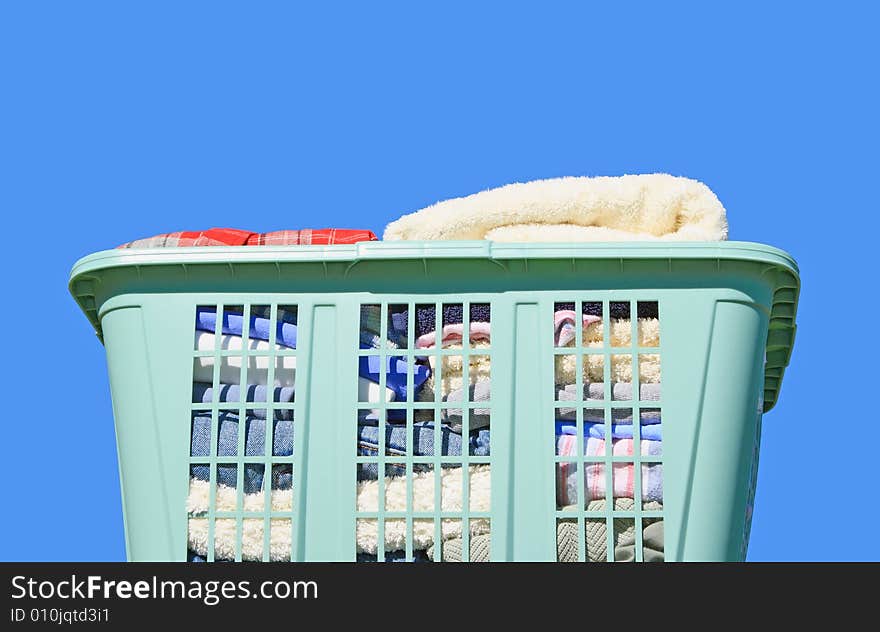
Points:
[[227, 445], [395, 369], [423, 445], [285, 333], [203, 393]]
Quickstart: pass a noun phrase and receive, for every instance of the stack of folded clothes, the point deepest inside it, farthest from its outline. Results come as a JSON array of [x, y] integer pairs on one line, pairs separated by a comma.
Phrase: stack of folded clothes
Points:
[[278, 482]]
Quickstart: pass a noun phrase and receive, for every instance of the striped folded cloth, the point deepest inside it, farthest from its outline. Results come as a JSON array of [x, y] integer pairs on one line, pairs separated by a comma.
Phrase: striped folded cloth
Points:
[[237, 237]]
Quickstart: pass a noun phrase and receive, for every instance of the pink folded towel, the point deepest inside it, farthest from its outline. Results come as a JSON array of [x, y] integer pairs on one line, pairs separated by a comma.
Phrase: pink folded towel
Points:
[[623, 474], [564, 320], [453, 334]]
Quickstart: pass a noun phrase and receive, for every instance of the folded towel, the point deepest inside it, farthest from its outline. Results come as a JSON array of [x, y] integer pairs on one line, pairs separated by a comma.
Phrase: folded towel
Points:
[[454, 334], [593, 367], [285, 332], [452, 365], [230, 366], [564, 328], [481, 391], [453, 313], [567, 541], [255, 394], [478, 444], [626, 208], [623, 474], [226, 499], [395, 369], [596, 533], [390, 556], [619, 334], [650, 432], [237, 237], [565, 364], [620, 391], [254, 445], [285, 367], [652, 544], [479, 417]]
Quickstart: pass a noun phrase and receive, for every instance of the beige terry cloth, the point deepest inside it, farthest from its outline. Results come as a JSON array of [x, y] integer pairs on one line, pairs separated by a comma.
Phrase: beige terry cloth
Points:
[[644, 207], [451, 483], [567, 538], [620, 335]]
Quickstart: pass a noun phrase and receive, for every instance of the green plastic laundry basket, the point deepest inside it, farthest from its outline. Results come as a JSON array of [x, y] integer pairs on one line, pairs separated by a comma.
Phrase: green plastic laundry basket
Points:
[[725, 328]]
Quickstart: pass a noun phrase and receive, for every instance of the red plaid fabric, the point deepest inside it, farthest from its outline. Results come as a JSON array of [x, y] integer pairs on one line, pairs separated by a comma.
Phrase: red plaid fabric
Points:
[[309, 237], [236, 237]]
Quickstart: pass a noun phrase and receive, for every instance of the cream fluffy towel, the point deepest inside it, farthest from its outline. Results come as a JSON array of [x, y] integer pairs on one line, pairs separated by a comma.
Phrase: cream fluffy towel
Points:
[[625, 208], [593, 365], [451, 482]]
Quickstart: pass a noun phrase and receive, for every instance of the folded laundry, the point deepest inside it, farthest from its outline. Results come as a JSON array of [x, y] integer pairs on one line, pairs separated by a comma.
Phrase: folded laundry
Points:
[[620, 391], [454, 334], [567, 541], [203, 393], [564, 326], [254, 445], [565, 365], [371, 328], [631, 207], [596, 533], [230, 366], [593, 368], [451, 481], [450, 378], [649, 432], [395, 369], [423, 445], [237, 237], [285, 367], [478, 417], [390, 556], [652, 544], [395, 529], [453, 313], [623, 474], [481, 391], [285, 332], [617, 309], [619, 332]]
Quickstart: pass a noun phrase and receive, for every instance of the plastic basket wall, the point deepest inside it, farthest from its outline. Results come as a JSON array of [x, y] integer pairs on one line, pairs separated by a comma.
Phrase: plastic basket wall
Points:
[[723, 326]]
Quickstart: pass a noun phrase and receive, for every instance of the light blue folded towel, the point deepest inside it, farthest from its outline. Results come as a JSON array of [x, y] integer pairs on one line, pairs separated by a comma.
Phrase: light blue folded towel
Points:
[[650, 432]]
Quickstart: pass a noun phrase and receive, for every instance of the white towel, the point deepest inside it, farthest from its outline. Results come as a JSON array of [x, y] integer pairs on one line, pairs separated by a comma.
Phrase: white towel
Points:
[[258, 366], [626, 208], [367, 532]]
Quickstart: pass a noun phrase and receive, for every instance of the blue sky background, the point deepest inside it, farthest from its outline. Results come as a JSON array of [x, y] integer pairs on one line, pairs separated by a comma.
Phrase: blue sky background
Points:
[[123, 120]]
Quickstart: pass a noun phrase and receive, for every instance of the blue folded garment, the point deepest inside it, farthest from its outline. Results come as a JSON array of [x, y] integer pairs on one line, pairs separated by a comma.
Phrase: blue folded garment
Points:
[[423, 445], [254, 445], [369, 367], [618, 431], [285, 332], [203, 393], [395, 369]]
